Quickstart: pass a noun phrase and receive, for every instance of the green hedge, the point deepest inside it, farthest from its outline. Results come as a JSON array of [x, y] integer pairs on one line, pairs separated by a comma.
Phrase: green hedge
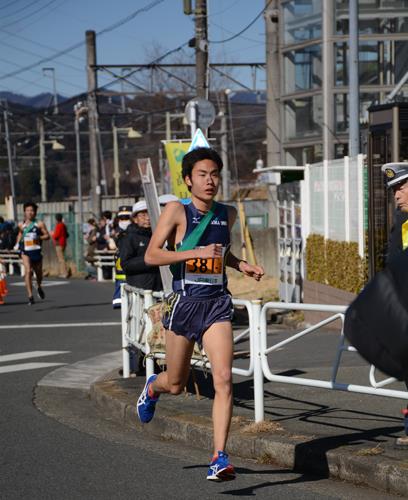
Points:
[[335, 263]]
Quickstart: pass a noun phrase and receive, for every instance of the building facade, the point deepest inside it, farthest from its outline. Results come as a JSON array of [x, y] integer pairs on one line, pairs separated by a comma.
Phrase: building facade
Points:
[[312, 46]]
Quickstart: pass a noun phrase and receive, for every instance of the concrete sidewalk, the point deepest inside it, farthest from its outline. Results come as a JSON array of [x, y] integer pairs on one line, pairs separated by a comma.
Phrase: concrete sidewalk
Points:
[[333, 434]]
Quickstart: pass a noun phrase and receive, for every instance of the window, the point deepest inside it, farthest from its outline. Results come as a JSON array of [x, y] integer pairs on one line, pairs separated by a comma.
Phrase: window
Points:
[[375, 16], [303, 117], [303, 69], [302, 20]]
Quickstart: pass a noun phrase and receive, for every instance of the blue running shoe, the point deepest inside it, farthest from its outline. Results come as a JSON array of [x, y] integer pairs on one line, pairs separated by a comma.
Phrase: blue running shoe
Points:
[[220, 469], [145, 404]]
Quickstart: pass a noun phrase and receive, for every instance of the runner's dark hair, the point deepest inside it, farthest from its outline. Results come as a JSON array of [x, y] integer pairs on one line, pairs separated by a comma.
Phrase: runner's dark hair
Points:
[[30, 204]]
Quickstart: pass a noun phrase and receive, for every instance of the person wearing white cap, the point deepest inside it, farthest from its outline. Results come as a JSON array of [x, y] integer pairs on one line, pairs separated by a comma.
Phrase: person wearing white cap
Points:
[[133, 248], [167, 198]]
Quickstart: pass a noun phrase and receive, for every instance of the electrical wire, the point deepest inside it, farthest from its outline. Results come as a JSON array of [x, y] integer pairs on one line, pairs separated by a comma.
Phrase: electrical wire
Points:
[[8, 4], [244, 29], [60, 53], [28, 15], [25, 7]]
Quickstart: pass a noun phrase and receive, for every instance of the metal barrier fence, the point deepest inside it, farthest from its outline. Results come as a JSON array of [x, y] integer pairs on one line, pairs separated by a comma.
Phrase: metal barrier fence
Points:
[[135, 324], [104, 258], [10, 258]]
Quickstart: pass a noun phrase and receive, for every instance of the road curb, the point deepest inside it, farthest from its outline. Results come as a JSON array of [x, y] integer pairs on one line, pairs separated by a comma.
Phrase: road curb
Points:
[[300, 453]]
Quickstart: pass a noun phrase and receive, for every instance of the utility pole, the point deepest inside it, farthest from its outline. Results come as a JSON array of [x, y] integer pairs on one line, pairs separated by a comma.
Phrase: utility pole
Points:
[[95, 194], [224, 148], [354, 90], [10, 160], [43, 178], [273, 115], [201, 46], [54, 88], [79, 180], [116, 174], [327, 84]]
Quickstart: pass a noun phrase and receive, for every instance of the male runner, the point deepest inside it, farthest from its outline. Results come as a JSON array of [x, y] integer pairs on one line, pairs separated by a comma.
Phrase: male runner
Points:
[[200, 309], [31, 235]]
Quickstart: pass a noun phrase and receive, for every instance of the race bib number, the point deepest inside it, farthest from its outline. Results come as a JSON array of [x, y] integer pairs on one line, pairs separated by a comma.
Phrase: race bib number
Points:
[[205, 271], [31, 242]]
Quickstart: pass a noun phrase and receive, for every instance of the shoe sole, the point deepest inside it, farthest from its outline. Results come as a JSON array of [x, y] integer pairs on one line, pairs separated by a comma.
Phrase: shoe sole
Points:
[[223, 475]]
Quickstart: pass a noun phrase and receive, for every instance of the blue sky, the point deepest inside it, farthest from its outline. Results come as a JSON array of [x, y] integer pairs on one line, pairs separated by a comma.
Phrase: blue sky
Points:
[[34, 29]]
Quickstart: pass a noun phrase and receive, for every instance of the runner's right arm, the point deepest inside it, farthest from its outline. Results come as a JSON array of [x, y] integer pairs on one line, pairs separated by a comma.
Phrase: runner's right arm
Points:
[[172, 217]]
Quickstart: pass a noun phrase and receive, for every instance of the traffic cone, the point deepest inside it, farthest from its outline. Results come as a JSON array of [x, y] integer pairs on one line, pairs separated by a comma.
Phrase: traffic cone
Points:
[[3, 284]]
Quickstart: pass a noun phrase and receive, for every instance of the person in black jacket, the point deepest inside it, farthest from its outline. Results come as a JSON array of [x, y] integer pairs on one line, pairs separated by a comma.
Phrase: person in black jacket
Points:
[[133, 248], [396, 175]]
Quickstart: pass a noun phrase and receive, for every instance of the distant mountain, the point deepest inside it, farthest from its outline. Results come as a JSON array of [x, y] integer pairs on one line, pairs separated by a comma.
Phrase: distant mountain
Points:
[[37, 101]]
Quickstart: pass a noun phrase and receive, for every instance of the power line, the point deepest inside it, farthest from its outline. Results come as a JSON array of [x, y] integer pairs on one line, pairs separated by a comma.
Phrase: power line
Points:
[[8, 4], [42, 45], [244, 29], [28, 15], [60, 53], [25, 7]]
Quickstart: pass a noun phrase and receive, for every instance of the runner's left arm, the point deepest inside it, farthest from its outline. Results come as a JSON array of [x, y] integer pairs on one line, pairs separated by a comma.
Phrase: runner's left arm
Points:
[[255, 272], [45, 235]]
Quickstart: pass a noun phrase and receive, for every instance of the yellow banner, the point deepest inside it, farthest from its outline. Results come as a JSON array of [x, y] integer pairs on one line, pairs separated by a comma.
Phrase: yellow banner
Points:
[[175, 152]]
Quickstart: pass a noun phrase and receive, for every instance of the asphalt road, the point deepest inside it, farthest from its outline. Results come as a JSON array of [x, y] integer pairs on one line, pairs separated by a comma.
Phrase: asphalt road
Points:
[[69, 449]]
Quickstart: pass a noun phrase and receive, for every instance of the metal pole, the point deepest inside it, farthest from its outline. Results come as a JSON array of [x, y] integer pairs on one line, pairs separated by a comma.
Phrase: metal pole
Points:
[[273, 105], [258, 372], [354, 125], [54, 83], [327, 86], [201, 48], [95, 194], [10, 163], [148, 302], [43, 178], [124, 320], [116, 174], [224, 148], [79, 180]]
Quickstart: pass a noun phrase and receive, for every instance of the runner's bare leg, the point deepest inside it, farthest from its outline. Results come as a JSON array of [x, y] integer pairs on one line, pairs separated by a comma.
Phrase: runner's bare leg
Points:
[[218, 346], [178, 356], [28, 274]]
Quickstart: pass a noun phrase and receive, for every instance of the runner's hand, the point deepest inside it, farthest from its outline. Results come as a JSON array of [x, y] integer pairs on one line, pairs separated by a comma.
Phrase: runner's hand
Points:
[[255, 272], [209, 252]]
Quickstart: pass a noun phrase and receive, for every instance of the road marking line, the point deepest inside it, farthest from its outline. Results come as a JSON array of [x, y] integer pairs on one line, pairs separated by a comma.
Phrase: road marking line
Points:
[[59, 325], [27, 366], [44, 283], [5, 358]]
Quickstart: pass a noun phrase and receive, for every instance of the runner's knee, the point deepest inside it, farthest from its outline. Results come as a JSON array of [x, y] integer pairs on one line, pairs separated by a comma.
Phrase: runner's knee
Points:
[[222, 380]]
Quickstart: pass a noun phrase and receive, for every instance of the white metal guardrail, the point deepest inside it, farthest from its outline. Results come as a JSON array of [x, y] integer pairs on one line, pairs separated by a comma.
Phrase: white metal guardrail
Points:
[[135, 324], [375, 388], [10, 258], [104, 258]]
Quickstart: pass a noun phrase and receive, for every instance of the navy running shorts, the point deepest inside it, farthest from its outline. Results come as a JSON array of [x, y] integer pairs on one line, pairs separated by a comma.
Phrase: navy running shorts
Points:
[[191, 317]]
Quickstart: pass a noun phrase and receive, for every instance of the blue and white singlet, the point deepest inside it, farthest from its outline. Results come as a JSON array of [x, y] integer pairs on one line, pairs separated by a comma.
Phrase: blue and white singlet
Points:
[[204, 278], [30, 243]]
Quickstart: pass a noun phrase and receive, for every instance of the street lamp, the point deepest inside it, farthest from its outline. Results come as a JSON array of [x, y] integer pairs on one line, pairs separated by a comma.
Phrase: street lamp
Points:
[[54, 85], [79, 110], [132, 134]]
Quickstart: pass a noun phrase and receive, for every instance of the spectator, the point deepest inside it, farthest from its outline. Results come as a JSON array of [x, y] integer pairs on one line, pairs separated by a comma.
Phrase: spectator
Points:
[[60, 236], [90, 253], [123, 221], [133, 248]]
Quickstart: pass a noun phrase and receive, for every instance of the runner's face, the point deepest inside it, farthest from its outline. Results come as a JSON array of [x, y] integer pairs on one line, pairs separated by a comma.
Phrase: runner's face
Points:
[[142, 219], [401, 196], [29, 213], [204, 180]]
